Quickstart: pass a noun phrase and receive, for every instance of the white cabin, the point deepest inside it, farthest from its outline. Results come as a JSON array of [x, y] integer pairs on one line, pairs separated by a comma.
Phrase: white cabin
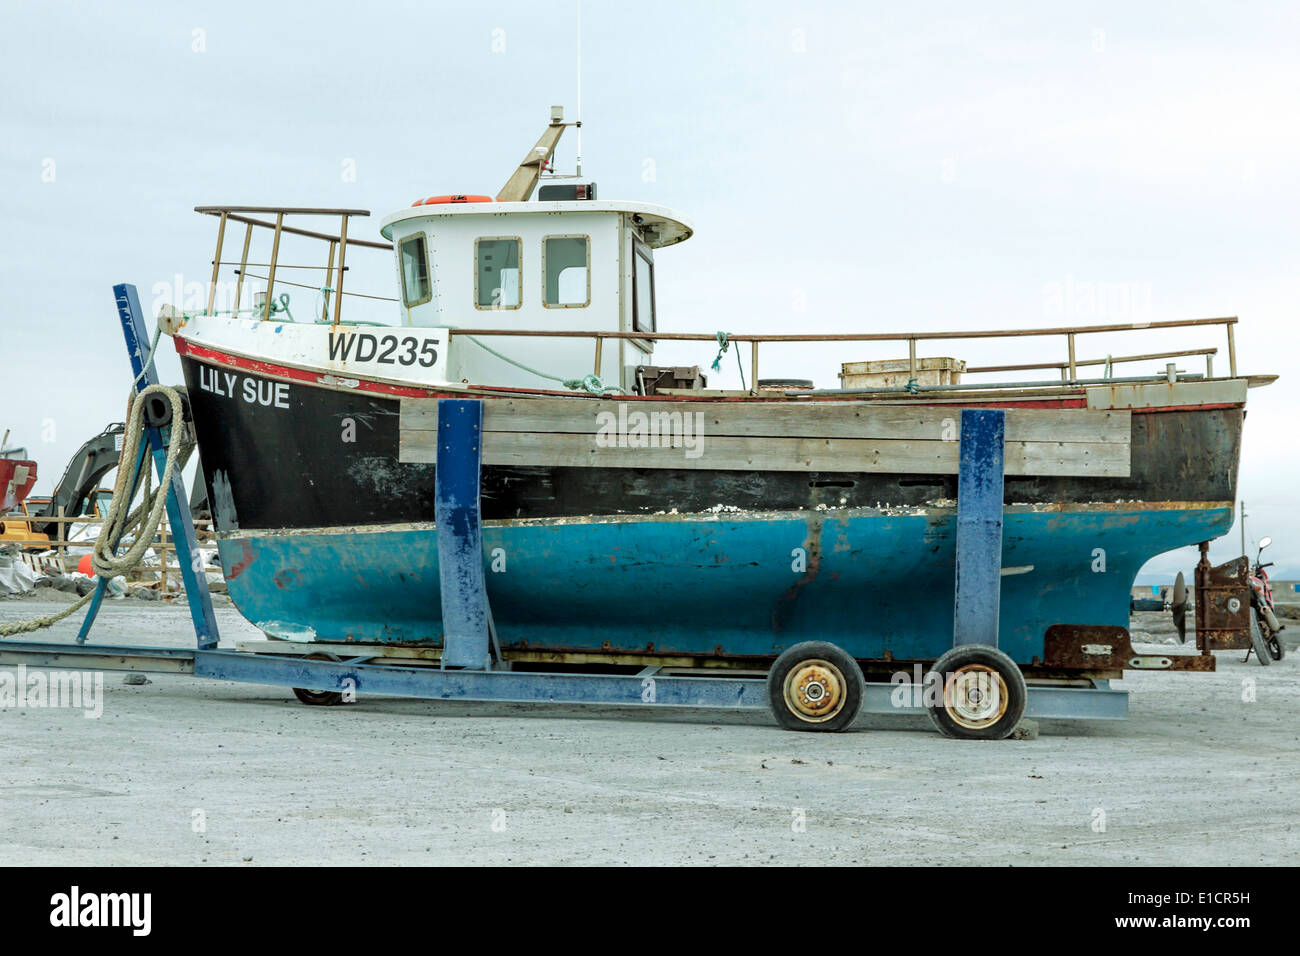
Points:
[[573, 265]]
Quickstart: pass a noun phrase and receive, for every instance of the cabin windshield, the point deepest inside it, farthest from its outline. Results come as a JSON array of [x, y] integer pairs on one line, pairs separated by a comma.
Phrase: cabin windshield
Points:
[[643, 285], [496, 272], [566, 263], [414, 260]]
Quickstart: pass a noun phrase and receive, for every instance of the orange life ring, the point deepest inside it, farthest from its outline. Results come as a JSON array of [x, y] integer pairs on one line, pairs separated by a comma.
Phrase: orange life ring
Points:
[[437, 200]]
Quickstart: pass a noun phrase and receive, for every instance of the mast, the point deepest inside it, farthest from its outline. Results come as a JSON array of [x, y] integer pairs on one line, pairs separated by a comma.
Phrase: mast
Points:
[[524, 180], [579, 162]]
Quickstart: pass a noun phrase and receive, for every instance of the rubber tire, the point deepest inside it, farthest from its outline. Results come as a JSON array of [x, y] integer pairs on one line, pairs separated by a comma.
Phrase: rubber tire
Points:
[[1017, 692], [319, 698], [1257, 642], [854, 686]]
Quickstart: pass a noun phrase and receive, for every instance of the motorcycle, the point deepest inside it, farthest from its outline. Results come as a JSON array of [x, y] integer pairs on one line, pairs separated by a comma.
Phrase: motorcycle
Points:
[[1265, 630]]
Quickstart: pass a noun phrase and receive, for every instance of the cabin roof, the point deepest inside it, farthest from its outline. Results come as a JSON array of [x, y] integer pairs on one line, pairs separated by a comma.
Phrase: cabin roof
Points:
[[663, 226]]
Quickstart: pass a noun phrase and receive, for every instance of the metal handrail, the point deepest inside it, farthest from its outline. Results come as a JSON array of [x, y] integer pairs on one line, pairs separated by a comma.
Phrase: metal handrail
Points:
[[303, 285], [338, 242], [911, 338], [1110, 359], [852, 336]]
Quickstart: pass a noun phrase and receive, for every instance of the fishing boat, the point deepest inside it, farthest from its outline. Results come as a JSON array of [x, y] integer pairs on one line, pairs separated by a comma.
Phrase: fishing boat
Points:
[[631, 514], [17, 478]]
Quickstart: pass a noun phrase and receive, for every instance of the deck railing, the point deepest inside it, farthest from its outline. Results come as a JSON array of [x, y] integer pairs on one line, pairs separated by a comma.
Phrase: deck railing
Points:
[[338, 244], [1069, 368]]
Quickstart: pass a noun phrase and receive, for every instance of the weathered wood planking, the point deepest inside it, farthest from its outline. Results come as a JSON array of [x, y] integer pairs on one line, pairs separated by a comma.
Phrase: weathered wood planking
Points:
[[732, 453], [785, 436], [782, 419]]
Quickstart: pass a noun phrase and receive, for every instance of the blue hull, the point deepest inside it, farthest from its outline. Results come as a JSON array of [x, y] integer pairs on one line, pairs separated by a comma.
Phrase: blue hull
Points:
[[878, 584]]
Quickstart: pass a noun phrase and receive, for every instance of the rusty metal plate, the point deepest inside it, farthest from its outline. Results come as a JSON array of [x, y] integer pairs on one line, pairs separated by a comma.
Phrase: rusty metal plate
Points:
[[1086, 647], [1096, 647], [1223, 606]]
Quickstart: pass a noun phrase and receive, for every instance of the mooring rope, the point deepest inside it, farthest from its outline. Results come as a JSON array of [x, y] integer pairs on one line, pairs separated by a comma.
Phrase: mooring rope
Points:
[[723, 345], [588, 383], [119, 521]]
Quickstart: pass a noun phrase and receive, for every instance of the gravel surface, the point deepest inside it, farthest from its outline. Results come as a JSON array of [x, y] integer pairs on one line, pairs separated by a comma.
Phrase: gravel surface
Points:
[[187, 771]]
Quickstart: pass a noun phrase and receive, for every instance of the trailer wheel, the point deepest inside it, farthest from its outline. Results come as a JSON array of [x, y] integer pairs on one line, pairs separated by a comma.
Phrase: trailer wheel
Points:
[[815, 686], [320, 698], [983, 693], [1257, 641]]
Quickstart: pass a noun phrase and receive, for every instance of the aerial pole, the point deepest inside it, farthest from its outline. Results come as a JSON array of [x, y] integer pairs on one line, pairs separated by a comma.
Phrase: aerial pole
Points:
[[519, 187], [579, 162], [1243, 526]]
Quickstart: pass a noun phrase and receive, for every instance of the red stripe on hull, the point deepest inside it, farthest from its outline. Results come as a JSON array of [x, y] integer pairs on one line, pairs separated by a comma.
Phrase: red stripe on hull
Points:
[[310, 377]]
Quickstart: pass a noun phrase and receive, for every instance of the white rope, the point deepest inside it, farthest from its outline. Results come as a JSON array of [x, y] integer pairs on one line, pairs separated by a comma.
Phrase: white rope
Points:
[[143, 522], [22, 627]]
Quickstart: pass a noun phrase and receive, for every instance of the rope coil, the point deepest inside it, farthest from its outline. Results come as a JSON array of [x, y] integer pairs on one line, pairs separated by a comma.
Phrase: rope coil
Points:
[[142, 523]]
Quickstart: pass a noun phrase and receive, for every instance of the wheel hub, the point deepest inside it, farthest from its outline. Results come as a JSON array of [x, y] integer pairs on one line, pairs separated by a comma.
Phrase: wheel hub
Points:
[[975, 696], [815, 690]]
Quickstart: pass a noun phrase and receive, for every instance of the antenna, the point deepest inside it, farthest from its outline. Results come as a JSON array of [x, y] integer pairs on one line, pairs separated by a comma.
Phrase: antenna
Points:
[[579, 163]]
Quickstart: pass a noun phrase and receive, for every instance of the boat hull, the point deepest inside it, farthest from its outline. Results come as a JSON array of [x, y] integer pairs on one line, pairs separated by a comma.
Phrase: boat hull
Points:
[[17, 478], [326, 535], [878, 583], [312, 457]]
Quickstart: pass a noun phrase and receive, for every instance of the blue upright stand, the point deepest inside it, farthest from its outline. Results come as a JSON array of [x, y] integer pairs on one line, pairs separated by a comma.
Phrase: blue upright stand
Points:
[[178, 512], [465, 615], [979, 526], [101, 584]]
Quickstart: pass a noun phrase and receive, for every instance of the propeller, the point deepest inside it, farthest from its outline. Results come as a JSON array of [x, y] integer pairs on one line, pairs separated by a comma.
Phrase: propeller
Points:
[[1178, 607]]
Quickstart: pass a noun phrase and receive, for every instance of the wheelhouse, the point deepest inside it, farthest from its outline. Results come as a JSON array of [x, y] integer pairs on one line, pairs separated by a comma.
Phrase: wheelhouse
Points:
[[544, 266]]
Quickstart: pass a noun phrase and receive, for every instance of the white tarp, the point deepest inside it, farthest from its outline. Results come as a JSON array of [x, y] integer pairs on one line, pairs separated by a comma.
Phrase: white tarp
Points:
[[15, 576]]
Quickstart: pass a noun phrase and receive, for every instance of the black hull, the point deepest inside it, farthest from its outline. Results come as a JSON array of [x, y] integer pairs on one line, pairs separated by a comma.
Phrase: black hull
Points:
[[291, 467]]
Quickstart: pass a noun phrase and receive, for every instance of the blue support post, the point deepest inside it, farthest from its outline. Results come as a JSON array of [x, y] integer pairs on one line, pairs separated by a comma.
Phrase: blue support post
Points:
[[101, 584], [979, 526], [178, 511], [465, 614]]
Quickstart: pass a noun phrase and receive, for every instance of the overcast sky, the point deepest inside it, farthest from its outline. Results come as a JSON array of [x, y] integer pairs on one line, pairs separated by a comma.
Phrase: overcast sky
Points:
[[857, 166]]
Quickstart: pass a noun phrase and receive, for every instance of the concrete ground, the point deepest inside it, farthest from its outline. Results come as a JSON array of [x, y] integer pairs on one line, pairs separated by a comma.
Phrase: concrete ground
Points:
[[188, 771]]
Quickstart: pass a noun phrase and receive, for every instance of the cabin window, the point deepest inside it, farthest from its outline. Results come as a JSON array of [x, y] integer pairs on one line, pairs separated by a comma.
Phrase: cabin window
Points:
[[414, 259], [566, 272], [496, 272], [643, 290]]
